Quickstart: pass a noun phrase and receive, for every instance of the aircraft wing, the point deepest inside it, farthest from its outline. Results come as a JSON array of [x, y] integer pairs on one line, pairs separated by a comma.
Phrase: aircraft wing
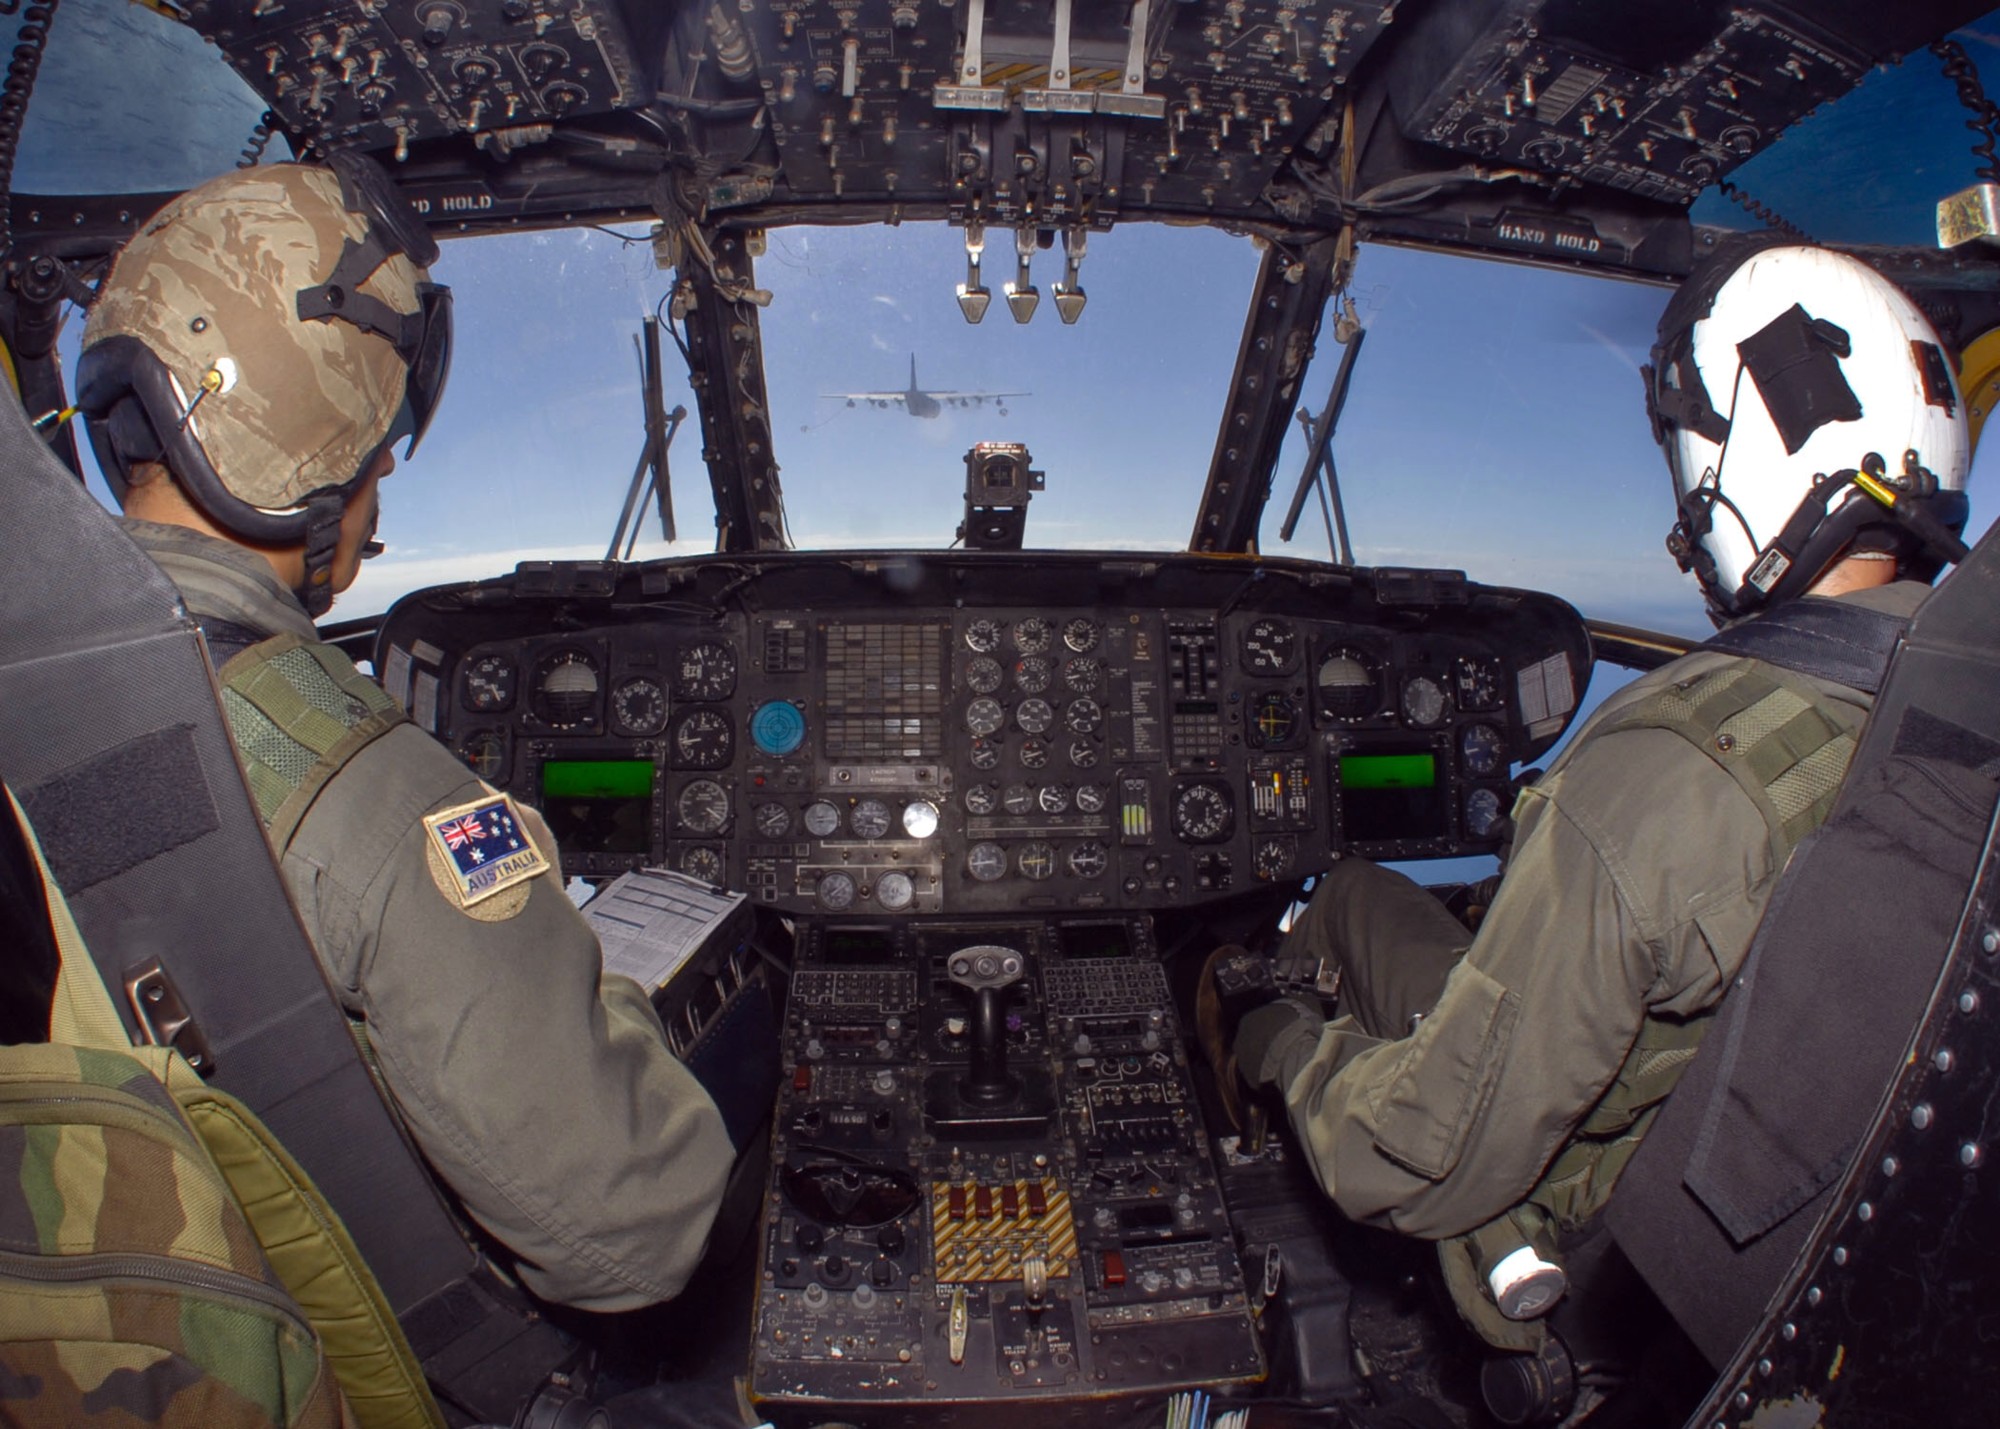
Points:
[[975, 396], [863, 396]]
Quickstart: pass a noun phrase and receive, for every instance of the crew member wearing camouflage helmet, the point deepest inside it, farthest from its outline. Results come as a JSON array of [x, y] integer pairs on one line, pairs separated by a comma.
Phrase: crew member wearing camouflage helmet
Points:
[[255, 351], [1484, 1091]]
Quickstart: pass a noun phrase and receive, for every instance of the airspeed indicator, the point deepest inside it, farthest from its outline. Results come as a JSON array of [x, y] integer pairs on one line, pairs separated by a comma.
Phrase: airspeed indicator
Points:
[[489, 684], [1270, 647]]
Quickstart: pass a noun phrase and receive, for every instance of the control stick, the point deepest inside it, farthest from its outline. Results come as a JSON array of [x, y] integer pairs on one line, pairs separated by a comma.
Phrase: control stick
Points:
[[986, 971]]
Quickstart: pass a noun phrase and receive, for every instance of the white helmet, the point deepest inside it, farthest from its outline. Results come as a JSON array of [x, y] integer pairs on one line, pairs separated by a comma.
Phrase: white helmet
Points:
[[1780, 372]]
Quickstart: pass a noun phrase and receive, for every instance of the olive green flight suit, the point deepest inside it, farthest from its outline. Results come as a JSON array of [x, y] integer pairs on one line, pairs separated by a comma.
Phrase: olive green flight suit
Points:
[[1639, 872], [540, 1089]]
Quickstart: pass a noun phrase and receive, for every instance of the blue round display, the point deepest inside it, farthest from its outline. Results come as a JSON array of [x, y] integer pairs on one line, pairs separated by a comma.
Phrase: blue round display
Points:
[[778, 727]]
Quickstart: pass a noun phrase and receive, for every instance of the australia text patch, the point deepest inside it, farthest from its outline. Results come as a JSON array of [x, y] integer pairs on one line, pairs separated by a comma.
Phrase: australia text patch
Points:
[[485, 849]]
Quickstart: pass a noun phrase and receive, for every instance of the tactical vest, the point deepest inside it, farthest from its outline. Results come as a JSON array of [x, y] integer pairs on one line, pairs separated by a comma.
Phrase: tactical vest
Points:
[[298, 712], [1787, 746]]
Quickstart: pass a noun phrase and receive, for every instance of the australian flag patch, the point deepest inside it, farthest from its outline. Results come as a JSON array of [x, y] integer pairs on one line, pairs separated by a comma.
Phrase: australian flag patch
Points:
[[485, 847]]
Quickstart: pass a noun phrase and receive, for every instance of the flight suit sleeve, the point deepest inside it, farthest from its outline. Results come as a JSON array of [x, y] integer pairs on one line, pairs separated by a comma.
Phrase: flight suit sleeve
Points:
[[540, 1090], [1637, 876]]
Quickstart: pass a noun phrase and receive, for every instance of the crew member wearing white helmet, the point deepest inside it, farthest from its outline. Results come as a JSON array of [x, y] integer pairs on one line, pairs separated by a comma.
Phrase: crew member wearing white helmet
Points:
[[257, 349], [1485, 1091]]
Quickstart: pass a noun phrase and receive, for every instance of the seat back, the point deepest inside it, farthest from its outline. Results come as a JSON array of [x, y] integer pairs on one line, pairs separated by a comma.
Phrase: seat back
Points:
[[114, 741], [1801, 1105]]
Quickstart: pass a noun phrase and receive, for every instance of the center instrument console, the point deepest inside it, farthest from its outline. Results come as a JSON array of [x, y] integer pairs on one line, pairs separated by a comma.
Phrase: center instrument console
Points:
[[990, 1178]]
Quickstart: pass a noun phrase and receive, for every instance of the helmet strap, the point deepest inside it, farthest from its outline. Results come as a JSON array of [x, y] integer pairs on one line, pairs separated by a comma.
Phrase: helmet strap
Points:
[[324, 514]]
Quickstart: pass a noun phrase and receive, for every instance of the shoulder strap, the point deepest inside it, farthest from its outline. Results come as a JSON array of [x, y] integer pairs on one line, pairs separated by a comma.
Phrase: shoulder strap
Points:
[[298, 711], [1828, 639], [1784, 743], [300, 1234]]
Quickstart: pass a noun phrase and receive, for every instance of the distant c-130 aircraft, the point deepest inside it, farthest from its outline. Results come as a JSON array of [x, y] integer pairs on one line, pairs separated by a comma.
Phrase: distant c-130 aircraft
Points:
[[920, 403]]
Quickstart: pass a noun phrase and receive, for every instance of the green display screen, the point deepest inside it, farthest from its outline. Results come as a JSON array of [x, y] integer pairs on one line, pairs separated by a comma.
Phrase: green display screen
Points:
[[1388, 771], [597, 779]]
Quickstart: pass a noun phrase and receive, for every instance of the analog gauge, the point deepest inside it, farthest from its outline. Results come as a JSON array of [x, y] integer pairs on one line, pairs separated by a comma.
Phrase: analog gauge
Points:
[[1034, 754], [983, 675], [485, 754], [772, 821], [983, 636], [1272, 721], [1347, 686], [777, 727], [1090, 798], [1083, 716], [703, 806], [703, 739], [1035, 860], [835, 891], [984, 715], [638, 707], [1272, 859], [1477, 683], [1423, 701], [701, 861], [1088, 860], [985, 754], [1033, 673], [1035, 716], [981, 799], [566, 688], [1080, 635], [822, 820], [894, 891], [1083, 674], [920, 819], [1082, 754], [488, 684], [1018, 799], [1033, 636], [1202, 813], [870, 819], [986, 862], [1053, 798], [1270, 647], [1484, 749], [705, 671], [1483, 813]]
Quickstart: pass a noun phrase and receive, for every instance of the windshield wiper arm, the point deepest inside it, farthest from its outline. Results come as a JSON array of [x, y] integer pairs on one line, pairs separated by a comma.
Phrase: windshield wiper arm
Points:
[[1320, 457]]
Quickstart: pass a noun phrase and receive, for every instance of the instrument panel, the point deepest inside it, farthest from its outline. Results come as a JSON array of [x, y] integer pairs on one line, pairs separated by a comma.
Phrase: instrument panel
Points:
[[988, 733]]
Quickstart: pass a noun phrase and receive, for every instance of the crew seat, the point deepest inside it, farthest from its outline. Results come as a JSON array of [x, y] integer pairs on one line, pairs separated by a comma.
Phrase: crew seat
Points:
[[1809, 1204], [114, 741]]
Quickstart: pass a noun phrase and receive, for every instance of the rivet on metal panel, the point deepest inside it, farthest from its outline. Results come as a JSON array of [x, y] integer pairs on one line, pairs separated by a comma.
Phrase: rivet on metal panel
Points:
[[1813, 1296], [1789, 1333], [1890, 1165], [1764, 1369], [1943, 1060], [1968, 1001], [1920, 1116], [1970, 1155], [1989, 941], [1840, 1255], [1742, 1399], [1864, 1212]]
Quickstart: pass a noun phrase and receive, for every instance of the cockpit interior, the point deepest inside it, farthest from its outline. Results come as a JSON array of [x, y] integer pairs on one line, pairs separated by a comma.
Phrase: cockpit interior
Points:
[[959, 817]]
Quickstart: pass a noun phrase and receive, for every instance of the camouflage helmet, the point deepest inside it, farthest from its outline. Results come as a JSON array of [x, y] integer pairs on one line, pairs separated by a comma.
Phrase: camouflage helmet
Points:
[[264, 336]]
